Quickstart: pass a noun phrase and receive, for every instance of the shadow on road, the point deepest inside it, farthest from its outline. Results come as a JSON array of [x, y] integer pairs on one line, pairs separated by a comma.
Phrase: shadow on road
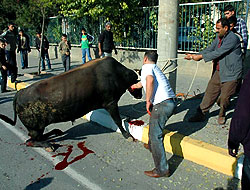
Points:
[[40, 184]]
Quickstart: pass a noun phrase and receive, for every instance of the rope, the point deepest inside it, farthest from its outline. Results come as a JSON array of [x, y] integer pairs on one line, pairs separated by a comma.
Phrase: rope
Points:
[[169, 62]]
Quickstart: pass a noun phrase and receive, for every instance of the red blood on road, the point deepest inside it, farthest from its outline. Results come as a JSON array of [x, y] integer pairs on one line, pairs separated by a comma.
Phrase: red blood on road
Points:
[[63, 164]]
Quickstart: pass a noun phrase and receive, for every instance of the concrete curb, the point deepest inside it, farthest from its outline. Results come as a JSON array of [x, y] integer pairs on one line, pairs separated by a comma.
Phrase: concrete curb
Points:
[[196, 151]]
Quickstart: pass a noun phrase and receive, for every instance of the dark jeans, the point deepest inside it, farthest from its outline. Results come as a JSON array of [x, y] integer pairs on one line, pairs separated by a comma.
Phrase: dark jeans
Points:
[[160, 114], [24, 58], [216, 88], [45, 56], [12, 69], [66, 62], [245, 180]]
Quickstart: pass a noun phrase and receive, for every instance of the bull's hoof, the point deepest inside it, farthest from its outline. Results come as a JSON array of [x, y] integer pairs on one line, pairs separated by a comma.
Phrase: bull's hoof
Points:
[[48, 147]]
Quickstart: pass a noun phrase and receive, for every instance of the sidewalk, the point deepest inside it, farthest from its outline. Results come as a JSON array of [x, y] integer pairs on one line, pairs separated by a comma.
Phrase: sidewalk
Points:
[[204, 143]]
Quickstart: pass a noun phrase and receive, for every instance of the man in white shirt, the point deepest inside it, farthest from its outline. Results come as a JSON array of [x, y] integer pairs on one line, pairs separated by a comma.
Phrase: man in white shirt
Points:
[[160, 105]]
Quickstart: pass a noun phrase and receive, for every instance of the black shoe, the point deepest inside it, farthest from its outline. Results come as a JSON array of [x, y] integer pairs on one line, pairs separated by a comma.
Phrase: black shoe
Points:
[[43, 69], [198, 117], [23, 67]]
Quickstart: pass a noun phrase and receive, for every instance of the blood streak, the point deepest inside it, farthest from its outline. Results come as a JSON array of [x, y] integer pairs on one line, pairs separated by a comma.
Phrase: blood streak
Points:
[[136, 122], [63, 164]]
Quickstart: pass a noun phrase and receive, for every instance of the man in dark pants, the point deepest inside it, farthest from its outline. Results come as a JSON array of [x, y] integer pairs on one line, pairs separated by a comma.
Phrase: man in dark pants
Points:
[[106, 42], [23, 48], [44, 50], [225, 51], [239, 131], [4, 66], [10, 50]]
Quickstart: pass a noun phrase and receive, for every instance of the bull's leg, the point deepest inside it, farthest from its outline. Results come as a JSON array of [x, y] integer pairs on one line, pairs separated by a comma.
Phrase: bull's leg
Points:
[[114, 112], [37, 140]]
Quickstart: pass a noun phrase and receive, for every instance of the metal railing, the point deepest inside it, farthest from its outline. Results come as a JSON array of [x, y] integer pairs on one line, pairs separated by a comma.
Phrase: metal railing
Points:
[[196, 26]]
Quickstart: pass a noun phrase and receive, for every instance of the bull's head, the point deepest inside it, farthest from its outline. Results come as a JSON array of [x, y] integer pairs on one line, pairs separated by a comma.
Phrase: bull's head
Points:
[[135, 92]]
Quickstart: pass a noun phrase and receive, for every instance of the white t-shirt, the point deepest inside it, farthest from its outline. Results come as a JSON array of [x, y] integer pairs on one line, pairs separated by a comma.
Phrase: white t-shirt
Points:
[[162, 88]]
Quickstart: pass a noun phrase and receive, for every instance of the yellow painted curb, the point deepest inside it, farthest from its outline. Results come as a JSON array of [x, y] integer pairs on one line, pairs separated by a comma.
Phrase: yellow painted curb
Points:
[[197, 151], [19, 86]]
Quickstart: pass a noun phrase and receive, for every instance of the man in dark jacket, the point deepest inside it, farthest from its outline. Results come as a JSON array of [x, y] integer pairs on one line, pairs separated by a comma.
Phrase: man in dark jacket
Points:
[[23, 48], [106, 42], [4, 66], [240, 130], [11, 40], [44, 50], [225, 51]]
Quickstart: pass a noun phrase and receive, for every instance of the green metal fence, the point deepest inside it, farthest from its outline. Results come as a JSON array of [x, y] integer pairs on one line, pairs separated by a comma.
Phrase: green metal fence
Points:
[[196, 26]]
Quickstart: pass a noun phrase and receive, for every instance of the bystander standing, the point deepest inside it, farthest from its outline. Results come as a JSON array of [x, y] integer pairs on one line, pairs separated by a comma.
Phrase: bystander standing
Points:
[[11, 40], [24, 48], [106, 42], [64, 48], [44, 50], [86, 40]]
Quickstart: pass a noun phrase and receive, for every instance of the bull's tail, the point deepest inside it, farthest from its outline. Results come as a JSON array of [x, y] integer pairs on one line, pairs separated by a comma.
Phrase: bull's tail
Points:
[[8, 120]]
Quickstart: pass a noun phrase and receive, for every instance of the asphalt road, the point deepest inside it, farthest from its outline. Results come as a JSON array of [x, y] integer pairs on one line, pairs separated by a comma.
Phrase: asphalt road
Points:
[[103, 160]]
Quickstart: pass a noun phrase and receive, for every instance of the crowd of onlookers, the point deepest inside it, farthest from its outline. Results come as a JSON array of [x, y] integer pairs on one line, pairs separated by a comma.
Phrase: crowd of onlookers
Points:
[[10, 44]]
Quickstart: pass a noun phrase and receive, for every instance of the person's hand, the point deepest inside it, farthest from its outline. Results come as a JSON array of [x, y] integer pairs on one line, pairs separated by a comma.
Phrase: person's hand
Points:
[[149, 107], [100, 53], [233, 152], [188, 56], [4, 67], [67, 53], [197, 57]]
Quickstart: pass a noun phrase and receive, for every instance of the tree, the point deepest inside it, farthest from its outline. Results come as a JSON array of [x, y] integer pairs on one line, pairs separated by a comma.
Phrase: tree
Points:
[[122, 14]]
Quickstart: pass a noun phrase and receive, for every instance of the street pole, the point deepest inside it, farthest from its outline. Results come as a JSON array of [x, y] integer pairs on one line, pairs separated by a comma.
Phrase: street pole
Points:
[[168, 37]]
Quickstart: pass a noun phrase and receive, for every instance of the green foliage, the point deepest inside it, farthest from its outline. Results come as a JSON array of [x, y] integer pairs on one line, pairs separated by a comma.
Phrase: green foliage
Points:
[[204, 33], [122, 14]]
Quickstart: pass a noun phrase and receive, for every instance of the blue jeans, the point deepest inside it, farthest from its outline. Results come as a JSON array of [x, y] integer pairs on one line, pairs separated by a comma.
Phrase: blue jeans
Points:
[[84, 51], [24, 58], [160, 114], [45, 55]]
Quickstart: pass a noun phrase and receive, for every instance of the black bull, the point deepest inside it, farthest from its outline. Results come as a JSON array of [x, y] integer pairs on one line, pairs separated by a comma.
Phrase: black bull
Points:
[[97, 84]]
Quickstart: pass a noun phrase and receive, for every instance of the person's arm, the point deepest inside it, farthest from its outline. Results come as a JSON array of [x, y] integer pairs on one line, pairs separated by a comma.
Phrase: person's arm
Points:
[[113, 44], [240, 123], [100, 41], [243, 32], [149, 92], [228, 44]]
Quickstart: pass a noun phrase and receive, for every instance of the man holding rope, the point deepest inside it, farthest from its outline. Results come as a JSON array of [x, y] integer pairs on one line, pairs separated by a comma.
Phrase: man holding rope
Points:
[[225, 51]]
